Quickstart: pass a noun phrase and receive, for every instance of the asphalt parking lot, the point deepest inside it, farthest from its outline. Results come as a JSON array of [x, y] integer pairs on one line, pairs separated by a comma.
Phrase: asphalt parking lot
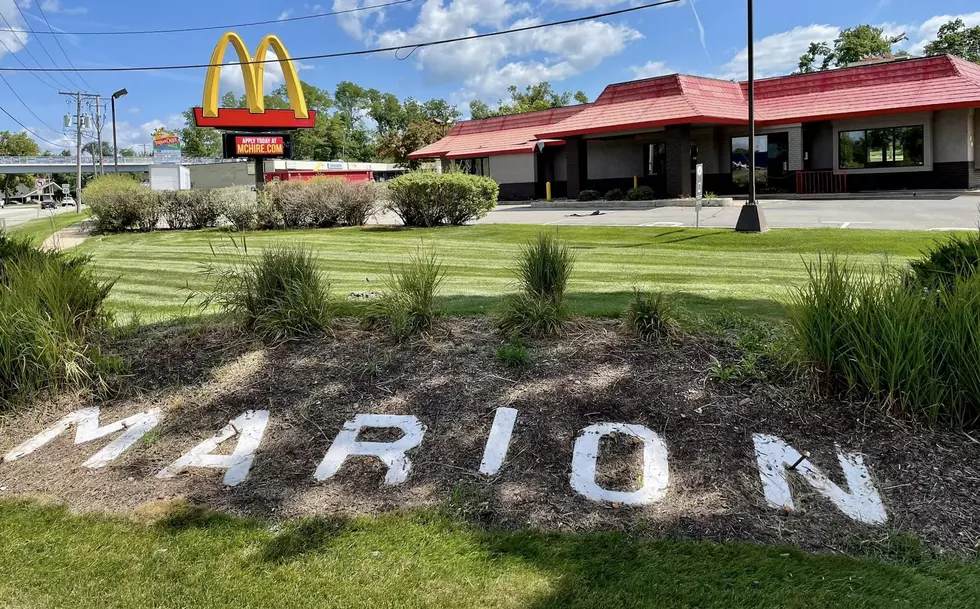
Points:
[[959, 213]]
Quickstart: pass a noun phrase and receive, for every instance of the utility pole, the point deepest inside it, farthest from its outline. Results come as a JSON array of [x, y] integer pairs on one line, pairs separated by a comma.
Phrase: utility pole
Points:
[[751, 219], [98, 130], [78, 95]]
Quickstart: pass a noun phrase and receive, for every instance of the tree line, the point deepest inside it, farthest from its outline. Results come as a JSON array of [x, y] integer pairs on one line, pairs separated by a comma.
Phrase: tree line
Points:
[[866, 42], [358, 124]]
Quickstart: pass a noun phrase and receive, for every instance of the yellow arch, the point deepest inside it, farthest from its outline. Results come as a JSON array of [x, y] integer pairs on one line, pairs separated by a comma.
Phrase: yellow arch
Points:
[[254, 74]]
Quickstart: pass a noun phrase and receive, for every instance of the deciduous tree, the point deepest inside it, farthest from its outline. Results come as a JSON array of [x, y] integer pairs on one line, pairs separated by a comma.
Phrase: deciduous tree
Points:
[[851, 46], [954, 38]]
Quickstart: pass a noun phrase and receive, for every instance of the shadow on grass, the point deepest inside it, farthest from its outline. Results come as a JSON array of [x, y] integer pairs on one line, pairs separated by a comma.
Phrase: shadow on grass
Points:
[[305, 536], [613, 304]]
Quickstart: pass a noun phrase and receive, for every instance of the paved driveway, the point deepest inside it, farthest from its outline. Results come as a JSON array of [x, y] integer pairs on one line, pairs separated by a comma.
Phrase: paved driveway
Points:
[[14, 215], [915, 214]]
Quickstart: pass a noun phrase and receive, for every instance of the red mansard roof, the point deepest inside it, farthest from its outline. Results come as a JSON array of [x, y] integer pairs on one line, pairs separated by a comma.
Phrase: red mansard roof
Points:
[[512, 134], [668, 100], [902, 85], [910, 85]]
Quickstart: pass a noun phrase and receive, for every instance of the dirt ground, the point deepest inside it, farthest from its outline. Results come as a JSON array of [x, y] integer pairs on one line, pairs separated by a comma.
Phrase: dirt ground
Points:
[[204, 376]]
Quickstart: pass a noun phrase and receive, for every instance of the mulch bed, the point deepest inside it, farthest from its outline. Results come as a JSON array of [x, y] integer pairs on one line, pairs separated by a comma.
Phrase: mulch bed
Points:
[[204, 376]]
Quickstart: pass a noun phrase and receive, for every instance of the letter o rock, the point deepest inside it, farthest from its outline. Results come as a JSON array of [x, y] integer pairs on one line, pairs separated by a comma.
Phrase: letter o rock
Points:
[[655, 468]]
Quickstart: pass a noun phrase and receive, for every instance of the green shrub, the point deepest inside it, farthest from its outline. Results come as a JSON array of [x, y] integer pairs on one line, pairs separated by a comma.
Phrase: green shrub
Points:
[[203, 210], [425, 198], [51, 316], [589, 195], [173, 210], [877, 336], [543, 272], [268, 216], [616, 194], [358, 201], [279, 295], [514, 354], [114, 202], [289, 202], [147, 209], [408, 305], [319, 198], [239, 205], [956, 257], [650, 316], [642, 193]]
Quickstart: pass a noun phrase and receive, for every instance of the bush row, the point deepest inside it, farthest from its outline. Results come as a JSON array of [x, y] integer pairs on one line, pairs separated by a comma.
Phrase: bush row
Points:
[[641, 193], [119, 203]]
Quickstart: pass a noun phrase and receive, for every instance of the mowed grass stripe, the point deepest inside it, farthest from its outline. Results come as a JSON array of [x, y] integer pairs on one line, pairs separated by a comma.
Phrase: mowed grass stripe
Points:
[[157, 271]]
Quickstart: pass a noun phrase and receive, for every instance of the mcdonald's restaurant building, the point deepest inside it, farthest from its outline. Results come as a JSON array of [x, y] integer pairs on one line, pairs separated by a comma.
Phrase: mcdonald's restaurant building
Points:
[[902, 123]]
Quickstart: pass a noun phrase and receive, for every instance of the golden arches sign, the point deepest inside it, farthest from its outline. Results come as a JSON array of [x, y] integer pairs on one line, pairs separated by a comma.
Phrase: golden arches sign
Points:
[[254, 74]]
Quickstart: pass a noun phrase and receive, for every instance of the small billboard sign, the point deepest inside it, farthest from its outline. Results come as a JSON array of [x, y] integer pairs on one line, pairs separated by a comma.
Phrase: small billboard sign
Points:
[[166, 147]]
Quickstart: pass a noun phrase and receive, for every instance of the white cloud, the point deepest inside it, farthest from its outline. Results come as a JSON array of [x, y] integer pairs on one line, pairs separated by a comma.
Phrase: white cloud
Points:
[[487, 66], [133, 110], [651, 69], [285, 14], [779, 53], [12, 42], [354, 23], [600, 4], [54, 6], [232, 79]]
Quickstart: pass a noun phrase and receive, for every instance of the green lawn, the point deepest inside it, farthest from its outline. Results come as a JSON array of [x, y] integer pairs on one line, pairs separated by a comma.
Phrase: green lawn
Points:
[[42, 228], [53, 559], [706, 267]]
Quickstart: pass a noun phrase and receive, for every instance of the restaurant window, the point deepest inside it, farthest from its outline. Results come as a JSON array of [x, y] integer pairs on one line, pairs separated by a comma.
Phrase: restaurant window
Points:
[[477, 167], [888, 147], [656, 159]]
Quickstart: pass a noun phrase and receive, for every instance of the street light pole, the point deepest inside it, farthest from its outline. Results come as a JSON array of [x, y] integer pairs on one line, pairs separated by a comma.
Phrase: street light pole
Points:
[[751, 219], [115, 145]]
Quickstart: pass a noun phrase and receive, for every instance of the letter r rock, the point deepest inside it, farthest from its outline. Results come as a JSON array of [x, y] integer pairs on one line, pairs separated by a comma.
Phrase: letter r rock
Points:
[[392, 454]]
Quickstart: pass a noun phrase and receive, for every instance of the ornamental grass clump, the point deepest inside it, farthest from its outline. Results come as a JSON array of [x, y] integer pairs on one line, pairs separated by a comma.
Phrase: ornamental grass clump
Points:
[[409, 304], [281, 294], [52, 320], [543, 272], [886, 336], [650, 317]]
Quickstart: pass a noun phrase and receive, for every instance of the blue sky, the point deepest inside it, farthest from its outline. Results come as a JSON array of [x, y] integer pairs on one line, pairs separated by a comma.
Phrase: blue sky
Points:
[[583, 56]]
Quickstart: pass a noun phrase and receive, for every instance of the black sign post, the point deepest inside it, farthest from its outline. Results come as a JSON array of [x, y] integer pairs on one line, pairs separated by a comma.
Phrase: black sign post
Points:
[[699, 194]]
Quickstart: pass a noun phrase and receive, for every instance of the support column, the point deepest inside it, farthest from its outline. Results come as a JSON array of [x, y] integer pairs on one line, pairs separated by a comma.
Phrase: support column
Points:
[[679, 161], [577, 163]]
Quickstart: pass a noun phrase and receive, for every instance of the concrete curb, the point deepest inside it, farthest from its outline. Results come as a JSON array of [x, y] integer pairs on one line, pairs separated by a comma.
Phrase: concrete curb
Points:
[[601, 204]]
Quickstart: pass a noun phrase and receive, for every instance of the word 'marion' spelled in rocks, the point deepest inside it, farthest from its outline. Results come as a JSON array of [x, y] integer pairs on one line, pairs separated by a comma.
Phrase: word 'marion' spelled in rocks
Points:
[[775, 458]]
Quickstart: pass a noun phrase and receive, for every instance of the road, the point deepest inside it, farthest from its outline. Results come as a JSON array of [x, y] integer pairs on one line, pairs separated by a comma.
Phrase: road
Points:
[[14, 215], [916, 214]]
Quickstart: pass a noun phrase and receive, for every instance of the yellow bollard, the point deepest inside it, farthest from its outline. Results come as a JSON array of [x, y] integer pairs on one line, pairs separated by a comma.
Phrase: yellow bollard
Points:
[[636, 182], [547, 191]]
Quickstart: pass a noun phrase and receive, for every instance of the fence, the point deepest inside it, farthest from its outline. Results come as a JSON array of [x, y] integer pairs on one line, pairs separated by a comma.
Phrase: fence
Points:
[[820, 182]]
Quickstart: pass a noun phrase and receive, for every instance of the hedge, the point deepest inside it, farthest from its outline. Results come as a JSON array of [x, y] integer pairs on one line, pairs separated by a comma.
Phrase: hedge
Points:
[[436, 199]]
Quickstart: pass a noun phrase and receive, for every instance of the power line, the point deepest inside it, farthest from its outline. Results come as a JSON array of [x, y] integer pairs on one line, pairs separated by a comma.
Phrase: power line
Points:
[[39, 119], [58, 40], [24, 127], [413, 47], [223, 27], [23, 45], [35, 75]]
